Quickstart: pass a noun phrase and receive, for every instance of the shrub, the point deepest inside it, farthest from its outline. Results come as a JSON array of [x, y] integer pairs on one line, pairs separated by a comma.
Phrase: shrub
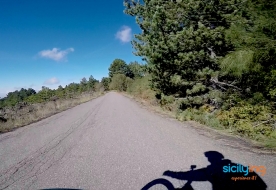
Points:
[[140, 88], [248, 120], [200, 116], [120, 82]]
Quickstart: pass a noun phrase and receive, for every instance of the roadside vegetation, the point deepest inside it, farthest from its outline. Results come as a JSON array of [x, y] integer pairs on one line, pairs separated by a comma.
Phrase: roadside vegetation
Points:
[[26, 106], [211, 62]]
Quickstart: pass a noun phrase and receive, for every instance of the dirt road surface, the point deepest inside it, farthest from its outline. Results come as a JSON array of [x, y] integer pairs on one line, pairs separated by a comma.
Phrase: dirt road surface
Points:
[[111, 143]]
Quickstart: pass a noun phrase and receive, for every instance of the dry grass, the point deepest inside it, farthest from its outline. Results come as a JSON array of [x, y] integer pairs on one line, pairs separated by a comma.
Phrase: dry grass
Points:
[[21, 116]]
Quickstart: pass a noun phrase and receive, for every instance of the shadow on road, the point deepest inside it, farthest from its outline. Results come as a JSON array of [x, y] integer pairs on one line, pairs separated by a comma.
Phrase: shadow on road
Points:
[[222, 173]]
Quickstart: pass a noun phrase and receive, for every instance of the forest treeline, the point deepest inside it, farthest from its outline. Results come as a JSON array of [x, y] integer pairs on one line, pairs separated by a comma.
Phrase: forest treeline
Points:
[[129, 72], [46, 94]]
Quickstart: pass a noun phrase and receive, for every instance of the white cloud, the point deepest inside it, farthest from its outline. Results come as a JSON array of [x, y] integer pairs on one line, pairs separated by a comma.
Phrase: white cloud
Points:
[[51, 81], [124, 34], [56, 54]]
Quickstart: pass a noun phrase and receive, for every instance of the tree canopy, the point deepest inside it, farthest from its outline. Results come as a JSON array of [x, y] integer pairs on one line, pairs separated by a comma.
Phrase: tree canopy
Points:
[[118, 66], [193, 47]]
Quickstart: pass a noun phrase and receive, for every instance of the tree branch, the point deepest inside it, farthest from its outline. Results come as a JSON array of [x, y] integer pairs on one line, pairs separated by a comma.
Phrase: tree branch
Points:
[[262, 123], [215, 80]]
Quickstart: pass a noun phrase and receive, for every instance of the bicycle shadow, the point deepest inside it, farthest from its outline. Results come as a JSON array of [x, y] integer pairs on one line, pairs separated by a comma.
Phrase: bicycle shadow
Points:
[[217, 173]]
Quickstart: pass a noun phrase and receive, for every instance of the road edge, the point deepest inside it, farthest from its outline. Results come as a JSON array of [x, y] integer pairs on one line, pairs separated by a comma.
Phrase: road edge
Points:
[[222, 136]]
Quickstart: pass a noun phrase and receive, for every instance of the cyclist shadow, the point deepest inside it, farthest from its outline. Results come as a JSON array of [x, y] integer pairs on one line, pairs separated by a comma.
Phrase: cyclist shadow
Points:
[[217, 174]]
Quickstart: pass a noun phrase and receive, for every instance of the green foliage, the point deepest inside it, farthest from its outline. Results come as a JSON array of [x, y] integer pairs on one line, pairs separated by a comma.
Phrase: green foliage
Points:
[[132, 70], [83, 85], [270, 81], [91, 84], [120, 82], [136, 70], [237, 63], [60, 92], [165, 100], [141, 88], [200, 116], [257, 98], [72, 89], [189, 43], [17, 96], [47, 94], [255, 122], [252, 63], [105, 81], [249, 120], [182, 42], [128, 83], [118, 66]]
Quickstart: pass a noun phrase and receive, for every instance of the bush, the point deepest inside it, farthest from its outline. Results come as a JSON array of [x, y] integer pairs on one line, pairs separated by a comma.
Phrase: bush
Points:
[[249, 120], [140, 88], [200, 116], [167, 102], [120, 82]]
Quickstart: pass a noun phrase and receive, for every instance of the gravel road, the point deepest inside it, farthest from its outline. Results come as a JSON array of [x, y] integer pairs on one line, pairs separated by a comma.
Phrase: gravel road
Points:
[[111, 143]]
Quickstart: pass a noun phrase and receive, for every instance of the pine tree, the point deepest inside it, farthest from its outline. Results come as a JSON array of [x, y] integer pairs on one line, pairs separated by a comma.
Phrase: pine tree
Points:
[[182, 41], [118, 66], [105, 81], [91, 83], [252, 65]]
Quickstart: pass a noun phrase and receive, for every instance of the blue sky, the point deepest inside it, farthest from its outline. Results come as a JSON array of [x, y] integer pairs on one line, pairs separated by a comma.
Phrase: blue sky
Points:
[[56, 42]]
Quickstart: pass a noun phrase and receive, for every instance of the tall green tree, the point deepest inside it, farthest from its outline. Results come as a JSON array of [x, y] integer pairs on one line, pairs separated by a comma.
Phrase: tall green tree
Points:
[[91, 83], [118, 66], [72, 89], [83, 85], [45, 94], [60, 92], [182, 41], [137, 70], [105, 81]]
